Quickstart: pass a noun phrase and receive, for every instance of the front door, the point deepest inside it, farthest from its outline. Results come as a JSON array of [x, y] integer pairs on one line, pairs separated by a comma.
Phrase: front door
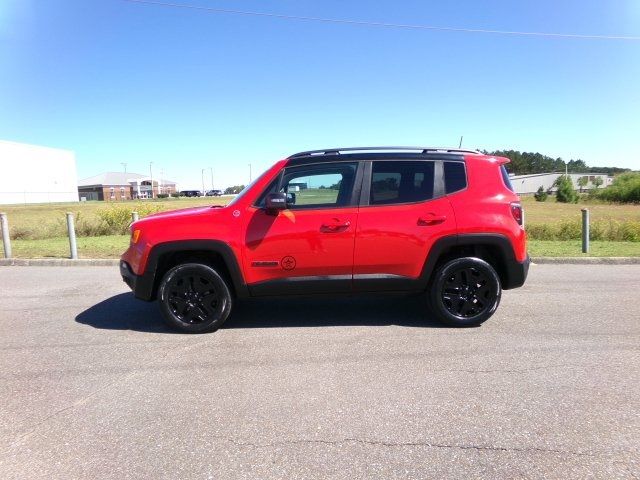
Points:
[[308, 247]]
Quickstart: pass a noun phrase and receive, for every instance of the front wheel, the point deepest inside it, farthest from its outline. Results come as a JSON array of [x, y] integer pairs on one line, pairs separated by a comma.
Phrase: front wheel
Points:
[[194, 298], [465, 292]]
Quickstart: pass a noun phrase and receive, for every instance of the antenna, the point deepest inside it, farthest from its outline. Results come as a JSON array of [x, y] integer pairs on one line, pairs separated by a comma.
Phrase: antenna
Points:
[[460, 145], [124, 164]]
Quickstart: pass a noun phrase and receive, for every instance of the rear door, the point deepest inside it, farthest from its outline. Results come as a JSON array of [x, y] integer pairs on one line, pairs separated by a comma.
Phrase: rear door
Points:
[[403, 212]]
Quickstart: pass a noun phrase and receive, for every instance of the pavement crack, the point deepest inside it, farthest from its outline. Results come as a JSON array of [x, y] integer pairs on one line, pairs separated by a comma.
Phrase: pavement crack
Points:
[[381, 443]]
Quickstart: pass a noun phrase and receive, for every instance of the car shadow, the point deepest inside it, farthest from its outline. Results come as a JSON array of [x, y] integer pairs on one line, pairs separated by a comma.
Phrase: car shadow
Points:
[[125, 312]]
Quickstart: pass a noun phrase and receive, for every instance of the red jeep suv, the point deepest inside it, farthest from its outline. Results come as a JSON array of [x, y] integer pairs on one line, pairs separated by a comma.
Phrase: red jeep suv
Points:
[[440, 222]]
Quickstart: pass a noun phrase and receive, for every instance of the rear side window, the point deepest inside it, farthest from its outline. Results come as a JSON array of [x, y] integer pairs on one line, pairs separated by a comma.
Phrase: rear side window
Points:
[[401, 182], [455, 177], [505, 178]]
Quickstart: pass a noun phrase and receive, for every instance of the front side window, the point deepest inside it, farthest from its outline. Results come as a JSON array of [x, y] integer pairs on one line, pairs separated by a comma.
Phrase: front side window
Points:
[[327, 185], [401, 182]]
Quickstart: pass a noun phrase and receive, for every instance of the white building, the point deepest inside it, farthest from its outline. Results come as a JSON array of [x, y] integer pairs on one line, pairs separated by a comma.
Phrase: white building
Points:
[[527, 184], [35, 174]]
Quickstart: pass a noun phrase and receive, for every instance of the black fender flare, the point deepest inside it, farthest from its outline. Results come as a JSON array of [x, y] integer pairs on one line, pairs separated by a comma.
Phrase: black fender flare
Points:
[[509, 269], [146, 283]]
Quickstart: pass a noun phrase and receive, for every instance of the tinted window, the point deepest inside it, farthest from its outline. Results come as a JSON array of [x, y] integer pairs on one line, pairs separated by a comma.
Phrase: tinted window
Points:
[[455, 178], [327, 185], [505, 177], [401, 182]]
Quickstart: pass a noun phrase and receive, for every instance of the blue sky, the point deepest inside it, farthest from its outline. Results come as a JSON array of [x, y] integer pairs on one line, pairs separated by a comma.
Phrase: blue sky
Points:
[[122, 82]]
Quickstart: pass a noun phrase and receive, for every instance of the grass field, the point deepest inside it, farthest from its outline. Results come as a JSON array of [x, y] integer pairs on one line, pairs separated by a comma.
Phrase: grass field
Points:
[[554, 212], [36, 217], [44, 215]]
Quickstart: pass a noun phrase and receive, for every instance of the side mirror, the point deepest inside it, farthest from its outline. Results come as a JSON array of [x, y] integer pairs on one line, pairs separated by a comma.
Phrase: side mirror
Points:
[[275, 202]]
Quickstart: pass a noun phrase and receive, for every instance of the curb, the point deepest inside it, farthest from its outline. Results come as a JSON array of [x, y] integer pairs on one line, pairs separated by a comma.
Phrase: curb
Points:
[[113, 262], [586, 260], [59, 262]]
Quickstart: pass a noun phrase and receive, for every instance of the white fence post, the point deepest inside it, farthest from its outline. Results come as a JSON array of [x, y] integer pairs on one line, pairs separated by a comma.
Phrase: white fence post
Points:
[[73, 247], [6, 241]]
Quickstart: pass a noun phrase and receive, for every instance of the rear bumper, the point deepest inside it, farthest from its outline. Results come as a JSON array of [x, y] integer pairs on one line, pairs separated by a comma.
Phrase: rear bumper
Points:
[[516, 273], [141, 285]]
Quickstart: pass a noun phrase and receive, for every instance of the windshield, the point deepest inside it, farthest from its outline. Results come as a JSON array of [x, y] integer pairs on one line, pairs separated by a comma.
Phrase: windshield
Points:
[[246, 189]]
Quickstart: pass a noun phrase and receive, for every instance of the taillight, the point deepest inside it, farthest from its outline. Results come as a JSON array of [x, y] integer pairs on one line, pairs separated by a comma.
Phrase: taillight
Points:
[[517, 212]]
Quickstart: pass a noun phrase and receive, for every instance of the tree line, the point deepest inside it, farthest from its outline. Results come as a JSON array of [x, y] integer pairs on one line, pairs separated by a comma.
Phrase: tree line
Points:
[[523, 163]]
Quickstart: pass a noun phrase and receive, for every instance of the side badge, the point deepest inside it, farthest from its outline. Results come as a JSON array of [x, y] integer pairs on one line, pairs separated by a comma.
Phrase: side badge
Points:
[[236, 213], [288, 263]]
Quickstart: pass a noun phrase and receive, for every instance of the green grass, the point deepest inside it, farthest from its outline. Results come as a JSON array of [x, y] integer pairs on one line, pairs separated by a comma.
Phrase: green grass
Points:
[[573, 248], [41, 218], [555, 212], [110, 246]]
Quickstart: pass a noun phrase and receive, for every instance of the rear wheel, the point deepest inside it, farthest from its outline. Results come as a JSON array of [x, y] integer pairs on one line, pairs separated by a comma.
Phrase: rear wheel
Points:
[[465, 292], [194, 298]]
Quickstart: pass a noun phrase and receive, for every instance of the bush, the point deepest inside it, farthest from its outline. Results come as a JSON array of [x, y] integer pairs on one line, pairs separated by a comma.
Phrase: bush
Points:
[[565, 192], [625, 189], [163, 195], [116, 219], [611, 230], [541, 195], [175, 195]]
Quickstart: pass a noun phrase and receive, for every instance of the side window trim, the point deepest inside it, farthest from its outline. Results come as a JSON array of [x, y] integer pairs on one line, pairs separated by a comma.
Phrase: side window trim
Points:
[[366, 183], [438, 180]]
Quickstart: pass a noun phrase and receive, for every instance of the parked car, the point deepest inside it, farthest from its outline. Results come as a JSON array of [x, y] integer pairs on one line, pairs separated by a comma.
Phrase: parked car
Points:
[[214, 193], [190, 193], [442, 223]]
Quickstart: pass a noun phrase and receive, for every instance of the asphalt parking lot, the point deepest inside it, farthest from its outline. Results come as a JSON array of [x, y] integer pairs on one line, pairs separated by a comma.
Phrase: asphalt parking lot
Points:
[[94, 386]]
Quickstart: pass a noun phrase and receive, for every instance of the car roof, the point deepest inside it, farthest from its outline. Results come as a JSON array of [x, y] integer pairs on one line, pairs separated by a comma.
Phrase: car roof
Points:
[[379, 153]]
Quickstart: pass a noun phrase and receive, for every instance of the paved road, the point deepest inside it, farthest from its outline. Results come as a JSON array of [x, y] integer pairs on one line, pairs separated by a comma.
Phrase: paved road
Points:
[[93, 386]]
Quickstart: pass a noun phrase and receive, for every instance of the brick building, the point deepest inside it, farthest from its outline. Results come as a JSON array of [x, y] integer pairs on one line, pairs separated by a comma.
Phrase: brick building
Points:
[[114, 186]]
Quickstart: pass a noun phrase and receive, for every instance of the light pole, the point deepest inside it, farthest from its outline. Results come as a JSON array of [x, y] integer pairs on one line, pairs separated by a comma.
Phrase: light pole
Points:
[[211, 177], [203, 192], [249, 173], [151, 177]]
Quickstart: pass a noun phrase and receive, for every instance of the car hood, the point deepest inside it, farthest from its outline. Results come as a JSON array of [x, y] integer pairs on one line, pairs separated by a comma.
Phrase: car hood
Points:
[[182, 213]]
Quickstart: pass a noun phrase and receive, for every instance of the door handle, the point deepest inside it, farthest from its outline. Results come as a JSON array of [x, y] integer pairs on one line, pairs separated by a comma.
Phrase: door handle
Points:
[[334, 226], [431, 220]]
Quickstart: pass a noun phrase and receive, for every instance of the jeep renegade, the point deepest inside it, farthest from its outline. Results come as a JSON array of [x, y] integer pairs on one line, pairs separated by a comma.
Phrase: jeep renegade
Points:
[[444, 223]]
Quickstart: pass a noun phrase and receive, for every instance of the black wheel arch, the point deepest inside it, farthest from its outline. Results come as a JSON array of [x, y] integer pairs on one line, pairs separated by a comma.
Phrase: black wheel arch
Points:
[[214, 253], [495, 249]]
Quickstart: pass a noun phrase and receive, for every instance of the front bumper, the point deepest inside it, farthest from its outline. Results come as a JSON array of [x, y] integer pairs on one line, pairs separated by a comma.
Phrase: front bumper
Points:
[[516, 273], [141, 285]]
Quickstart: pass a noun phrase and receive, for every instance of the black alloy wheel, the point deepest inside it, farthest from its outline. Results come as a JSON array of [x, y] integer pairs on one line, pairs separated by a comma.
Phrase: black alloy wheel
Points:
[[194, 298], [466, 292]]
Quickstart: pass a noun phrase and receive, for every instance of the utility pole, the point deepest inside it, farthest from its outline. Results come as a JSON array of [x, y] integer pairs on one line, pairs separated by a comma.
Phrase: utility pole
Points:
[[249, 173], [160, 180], [124, 164], [203, 192], [211, 177], [151, 177]]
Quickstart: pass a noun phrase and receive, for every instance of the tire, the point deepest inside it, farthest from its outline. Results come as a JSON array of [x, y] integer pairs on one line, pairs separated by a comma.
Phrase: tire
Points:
[[465, 292], [194, 298]]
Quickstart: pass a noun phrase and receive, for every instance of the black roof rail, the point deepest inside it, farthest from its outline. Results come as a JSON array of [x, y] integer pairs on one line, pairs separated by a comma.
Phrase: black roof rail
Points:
[[337, 151]]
